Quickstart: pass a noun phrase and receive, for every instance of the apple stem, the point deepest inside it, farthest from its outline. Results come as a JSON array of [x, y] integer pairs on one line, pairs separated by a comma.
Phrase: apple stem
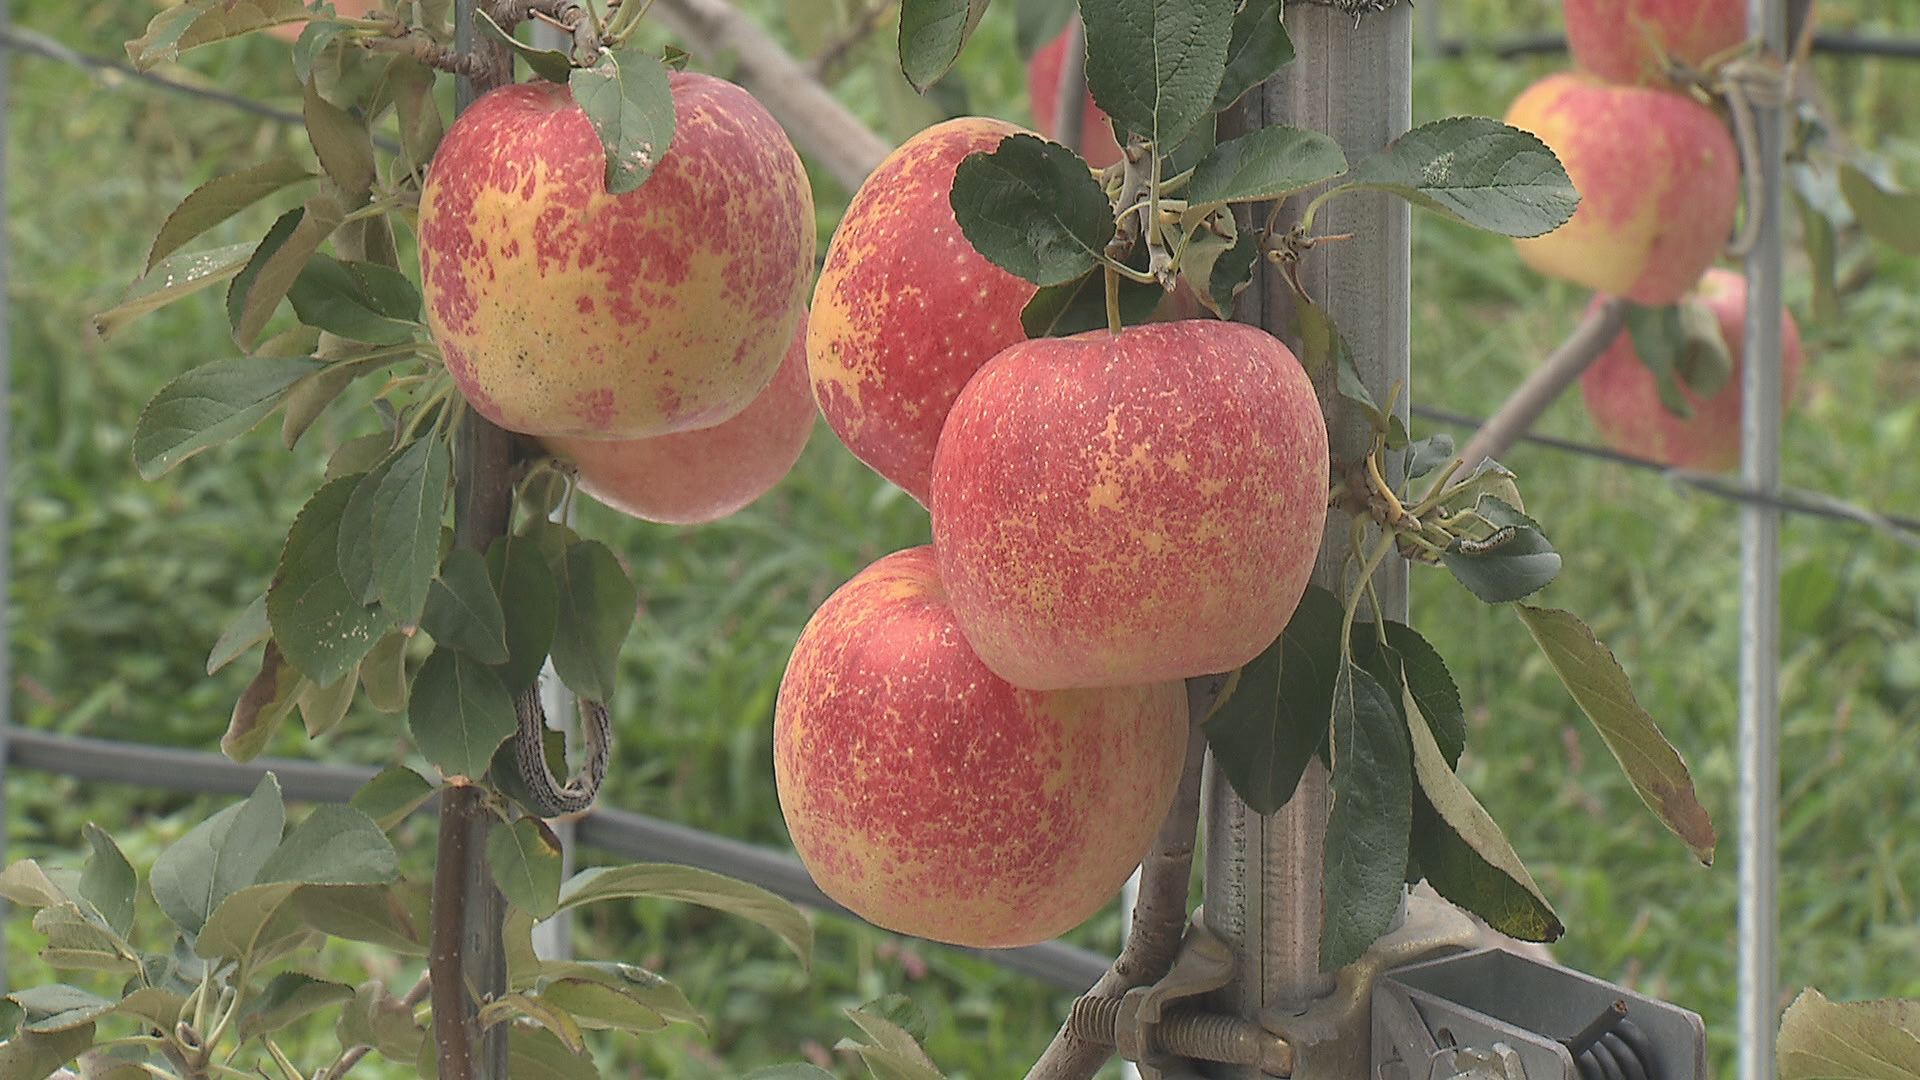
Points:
[[1113, 299]]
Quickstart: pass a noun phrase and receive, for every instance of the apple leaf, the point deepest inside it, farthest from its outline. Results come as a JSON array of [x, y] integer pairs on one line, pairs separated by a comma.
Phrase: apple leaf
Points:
[[1514, 561], [462, 611], [407, 510], [107, 880], [249, 628], [1076, 306], [359, 301], [1277, 717], [1658, 337], [1886, 214], [550, 64], [274, 266], [1477, 171], [288, 997], [1032, 208], [1432, 689], [1370, 817], [525, 859], [892, 1053], [202, 22], [530, 599], [459, 713], [211, 405], [418, 112], [57, 1007], [1259, 47], [1264, 164], [597, 607], [1428, 454], [323, 707], [175, 277], [1856, 1040], [1596, 682], [323, 629], [691, 885], [218, 857], [1229, 273], [334, 845], [219, 199], [932, 33], [394, 793], [343, 144], [628, 101], [383, 673], [600, 1006], [1154, 66], [539, 1052], [268, 699]]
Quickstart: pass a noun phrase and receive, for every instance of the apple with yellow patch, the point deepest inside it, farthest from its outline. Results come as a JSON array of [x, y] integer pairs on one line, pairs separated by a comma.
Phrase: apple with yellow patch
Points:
[[693, 477], [1112, 508], [1627, 41], [933, 798], [906, 310], [563, 310], [1659, 182]]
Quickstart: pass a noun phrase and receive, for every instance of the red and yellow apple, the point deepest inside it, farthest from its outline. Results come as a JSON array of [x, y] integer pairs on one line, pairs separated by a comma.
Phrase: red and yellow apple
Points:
[[1659, 182], [1625, 41], [692, 477], [1625, 404], [562, 310], [1116, 508], [1097, 143], [906, 310], [934, 799]]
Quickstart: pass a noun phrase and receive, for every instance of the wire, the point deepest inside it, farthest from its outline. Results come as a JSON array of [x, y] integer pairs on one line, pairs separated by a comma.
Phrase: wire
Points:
[[1838, 44]]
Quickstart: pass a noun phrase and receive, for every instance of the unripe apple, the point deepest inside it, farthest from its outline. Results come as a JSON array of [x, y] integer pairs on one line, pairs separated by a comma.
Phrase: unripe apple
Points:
[[1097, 143], [1623, 41], [691, 477], [906, 310], [932, 798], [563, 310], [1625, 405], [1659, 182], [1116, 508]]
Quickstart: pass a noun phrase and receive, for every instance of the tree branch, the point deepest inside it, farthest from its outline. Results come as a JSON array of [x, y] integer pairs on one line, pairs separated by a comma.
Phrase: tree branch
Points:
[[1160, 912], [820, 126], [862, 27], [1541, 389]]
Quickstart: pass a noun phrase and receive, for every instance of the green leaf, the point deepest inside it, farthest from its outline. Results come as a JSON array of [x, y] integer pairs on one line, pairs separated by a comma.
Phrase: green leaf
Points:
[[893, 1054], [601, 1007], [640, 986], [550, 1018], [1658, 338], [537, 1052], [394, 793], [420, 123], [462, 611], [159, 1007], [1230, 274], [311, 46], [31, 1056], [627, 100], [383, 674], [596, 609], [210, 405], [1596, 682], [1263, 736], [80, 942], [342, 143], [219, 199], [1428, 454], [249, 628], [268, 699], [550, 64], [1155, 65], [1432, 688], [666, 881], [176, 277], [459, 713], [359, 301], [1858, 1040], [202, 22], [323, 707], [1265, 164], [1477, 171], [1369, 821], [790, 1071], [389, 541], [58, 1007], [932, 33], [1888, 215], [289, 997], [375, 914], [239, 923], [526, 862], [1259, 47], [335, 845], [374, 1018], [1031, 208], [359, 455], [323, 629], [107, 880], [218, 857], [275, 264], [1513, 562], [1074, 307], [26, 884], [899, 1011]]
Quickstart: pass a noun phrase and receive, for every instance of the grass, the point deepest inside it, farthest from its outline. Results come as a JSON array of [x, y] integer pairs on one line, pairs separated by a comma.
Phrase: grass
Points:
[[120, 585]]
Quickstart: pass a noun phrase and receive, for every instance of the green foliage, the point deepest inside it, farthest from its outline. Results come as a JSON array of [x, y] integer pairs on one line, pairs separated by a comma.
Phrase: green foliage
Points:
[[1030, 207], [1862, 1040], [627, 100]]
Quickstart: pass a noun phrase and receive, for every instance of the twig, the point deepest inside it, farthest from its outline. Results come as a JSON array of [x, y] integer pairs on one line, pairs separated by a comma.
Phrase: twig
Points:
[[354, 1053], [1160, 913], [1575, 355], [819, 125], [862, 27], [1070, 94]]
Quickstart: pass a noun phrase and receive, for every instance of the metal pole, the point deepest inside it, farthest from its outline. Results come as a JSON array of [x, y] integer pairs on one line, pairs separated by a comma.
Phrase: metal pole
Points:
[[1264, 874], [1760, 588], [6, 469]]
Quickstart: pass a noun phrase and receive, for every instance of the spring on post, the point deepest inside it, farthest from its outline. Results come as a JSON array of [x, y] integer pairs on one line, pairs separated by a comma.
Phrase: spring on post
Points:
[[1613, 1048]]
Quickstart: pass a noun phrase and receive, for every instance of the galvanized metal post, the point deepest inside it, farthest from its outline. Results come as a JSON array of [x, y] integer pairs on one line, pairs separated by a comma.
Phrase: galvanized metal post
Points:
[[1264, 874], [1760, 587]]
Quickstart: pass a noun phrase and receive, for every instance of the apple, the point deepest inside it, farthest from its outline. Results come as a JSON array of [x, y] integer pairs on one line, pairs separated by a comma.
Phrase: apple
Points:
[[562, 310], [1097, 143], [1659, 182], [1625, 405], [1116, 508], [692, 477], [346, 9], [1624, 41], [906, 310], [934, 799]]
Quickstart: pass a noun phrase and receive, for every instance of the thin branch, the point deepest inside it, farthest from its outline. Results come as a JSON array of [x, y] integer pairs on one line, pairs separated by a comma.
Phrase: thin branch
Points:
[[828, 59], [1575, 355], [354, 1053], [1160, 912]]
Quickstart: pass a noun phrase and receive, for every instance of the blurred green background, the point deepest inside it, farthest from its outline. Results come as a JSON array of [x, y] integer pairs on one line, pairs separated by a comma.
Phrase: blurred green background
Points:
[[119, 586]]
